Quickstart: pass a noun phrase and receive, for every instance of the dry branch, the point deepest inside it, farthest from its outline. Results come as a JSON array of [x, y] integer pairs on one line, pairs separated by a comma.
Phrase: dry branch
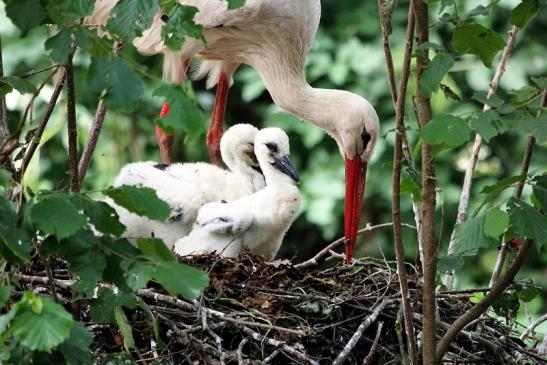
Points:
[[533, 325], [72, 128]]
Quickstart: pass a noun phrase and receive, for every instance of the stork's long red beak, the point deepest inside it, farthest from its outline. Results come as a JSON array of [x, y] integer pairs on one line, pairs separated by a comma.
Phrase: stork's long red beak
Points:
[[356, 173]]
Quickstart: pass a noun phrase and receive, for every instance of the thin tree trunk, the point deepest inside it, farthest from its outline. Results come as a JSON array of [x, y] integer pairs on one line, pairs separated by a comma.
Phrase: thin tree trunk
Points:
[[396, 186], [406, 148], [475, 150], [5, 160], [92, 140], [428, 195]]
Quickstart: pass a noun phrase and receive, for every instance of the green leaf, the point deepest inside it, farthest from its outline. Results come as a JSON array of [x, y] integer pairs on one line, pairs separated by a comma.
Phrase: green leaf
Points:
[[475, 39], [234, 4], [540, 193], [492, 191], [155, 248], [5, 177], [59, 46], [488, 124], [5, 293], [125, 328], [103, 307], [25, 14], [434, 73], [529, 293], [76, 347], [142, 304], [181, 279], [523, 95], [184, 115], [42, 329], [181, 25], [19, 84], [57, 215], [139, 200], [524, 13], [479, 10], [103, 217], [507, 305], [14, 242], [494, 101], [535, 126], [129, 18], [449, 263], [66, 12], [470, 236], [446, 129], [496, 222], [124, 88], [527, 222], [408, 186], [167, 5]]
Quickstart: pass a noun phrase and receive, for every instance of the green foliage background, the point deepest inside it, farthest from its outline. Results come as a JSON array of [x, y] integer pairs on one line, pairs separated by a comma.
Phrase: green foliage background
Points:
[[347, 54]]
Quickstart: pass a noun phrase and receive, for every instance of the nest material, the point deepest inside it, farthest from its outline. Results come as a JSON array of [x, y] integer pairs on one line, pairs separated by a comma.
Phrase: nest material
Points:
[[257, 312]]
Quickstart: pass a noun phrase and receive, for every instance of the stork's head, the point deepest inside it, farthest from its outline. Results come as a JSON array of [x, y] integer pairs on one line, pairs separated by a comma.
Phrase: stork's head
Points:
[[356, 132], [237, 149], [273, 153]]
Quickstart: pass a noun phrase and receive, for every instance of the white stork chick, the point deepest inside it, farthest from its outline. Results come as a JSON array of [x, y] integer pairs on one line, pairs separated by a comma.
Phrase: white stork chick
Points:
[[256, 222], [187, 187]]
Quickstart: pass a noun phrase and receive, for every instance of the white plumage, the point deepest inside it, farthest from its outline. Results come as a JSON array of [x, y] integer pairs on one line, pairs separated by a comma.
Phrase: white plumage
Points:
[[256, 222], [187, 187]]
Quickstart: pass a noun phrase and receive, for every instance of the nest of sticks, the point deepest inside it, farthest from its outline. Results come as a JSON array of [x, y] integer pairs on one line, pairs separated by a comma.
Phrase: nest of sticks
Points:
[[257, 312]]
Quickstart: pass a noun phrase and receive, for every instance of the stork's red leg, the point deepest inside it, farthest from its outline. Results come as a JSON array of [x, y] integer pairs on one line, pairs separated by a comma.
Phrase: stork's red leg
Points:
[[356, 173], [165, 140], [217, 120]]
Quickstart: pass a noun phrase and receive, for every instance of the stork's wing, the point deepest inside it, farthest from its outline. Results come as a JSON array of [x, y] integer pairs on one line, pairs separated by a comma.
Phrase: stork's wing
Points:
[[224, 219]]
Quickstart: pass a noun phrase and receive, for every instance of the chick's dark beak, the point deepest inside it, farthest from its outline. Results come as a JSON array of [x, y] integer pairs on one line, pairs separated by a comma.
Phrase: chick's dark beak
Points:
[[284, 164]]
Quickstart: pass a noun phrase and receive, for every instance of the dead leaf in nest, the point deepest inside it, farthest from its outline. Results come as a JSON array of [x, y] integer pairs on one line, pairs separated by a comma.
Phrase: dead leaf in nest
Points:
[[326, 282], [260, 301], [318, 307], [279, 263]]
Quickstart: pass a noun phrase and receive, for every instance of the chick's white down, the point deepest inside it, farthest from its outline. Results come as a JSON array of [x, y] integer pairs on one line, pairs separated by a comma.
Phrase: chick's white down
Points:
[[187, 187], [258, 222]]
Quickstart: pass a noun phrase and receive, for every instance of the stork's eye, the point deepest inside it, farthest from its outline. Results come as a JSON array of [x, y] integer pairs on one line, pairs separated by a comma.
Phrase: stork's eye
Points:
[[366, 138], [272, 147]]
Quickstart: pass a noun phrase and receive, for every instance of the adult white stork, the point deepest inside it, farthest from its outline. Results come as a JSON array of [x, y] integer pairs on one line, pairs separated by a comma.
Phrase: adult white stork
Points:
[[256, 222], [187, 187], [274, 37]]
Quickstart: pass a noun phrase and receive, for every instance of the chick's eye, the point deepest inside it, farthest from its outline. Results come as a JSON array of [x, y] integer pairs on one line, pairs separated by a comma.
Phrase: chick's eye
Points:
[[272, 147]]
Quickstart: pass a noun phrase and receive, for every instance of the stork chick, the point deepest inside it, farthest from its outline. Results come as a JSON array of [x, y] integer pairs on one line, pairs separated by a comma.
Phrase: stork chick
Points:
[[256, 222], [187, 187]]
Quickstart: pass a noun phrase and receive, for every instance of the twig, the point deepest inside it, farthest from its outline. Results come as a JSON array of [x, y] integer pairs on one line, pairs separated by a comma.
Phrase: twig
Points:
[[72, 129], [524, 167], [51, 281], [483, 306], [396, 190], [474, 156], [240, 359], [270, 341], [4, 129], [42, 125], [368, 228], [341, 358], [370, 355], [64, 284], [148, 293], [399, 327], [429, 184], [533, 325], [92, 140], [271, 356]]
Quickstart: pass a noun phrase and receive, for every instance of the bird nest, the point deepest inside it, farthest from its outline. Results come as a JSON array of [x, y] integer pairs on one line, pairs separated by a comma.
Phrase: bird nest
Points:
[[258, 312]]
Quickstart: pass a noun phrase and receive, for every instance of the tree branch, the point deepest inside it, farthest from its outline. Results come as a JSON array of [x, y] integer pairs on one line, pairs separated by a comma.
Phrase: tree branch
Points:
[[92, 140], [533, 325], [72, 129], [428, 193], [474, 156], [5, 160], [524, 167], [480, 308], [396, 189]]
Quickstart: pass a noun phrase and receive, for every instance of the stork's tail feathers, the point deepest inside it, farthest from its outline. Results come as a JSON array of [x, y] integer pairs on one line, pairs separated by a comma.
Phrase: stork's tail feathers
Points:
[[100, 15], [212, 71]]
